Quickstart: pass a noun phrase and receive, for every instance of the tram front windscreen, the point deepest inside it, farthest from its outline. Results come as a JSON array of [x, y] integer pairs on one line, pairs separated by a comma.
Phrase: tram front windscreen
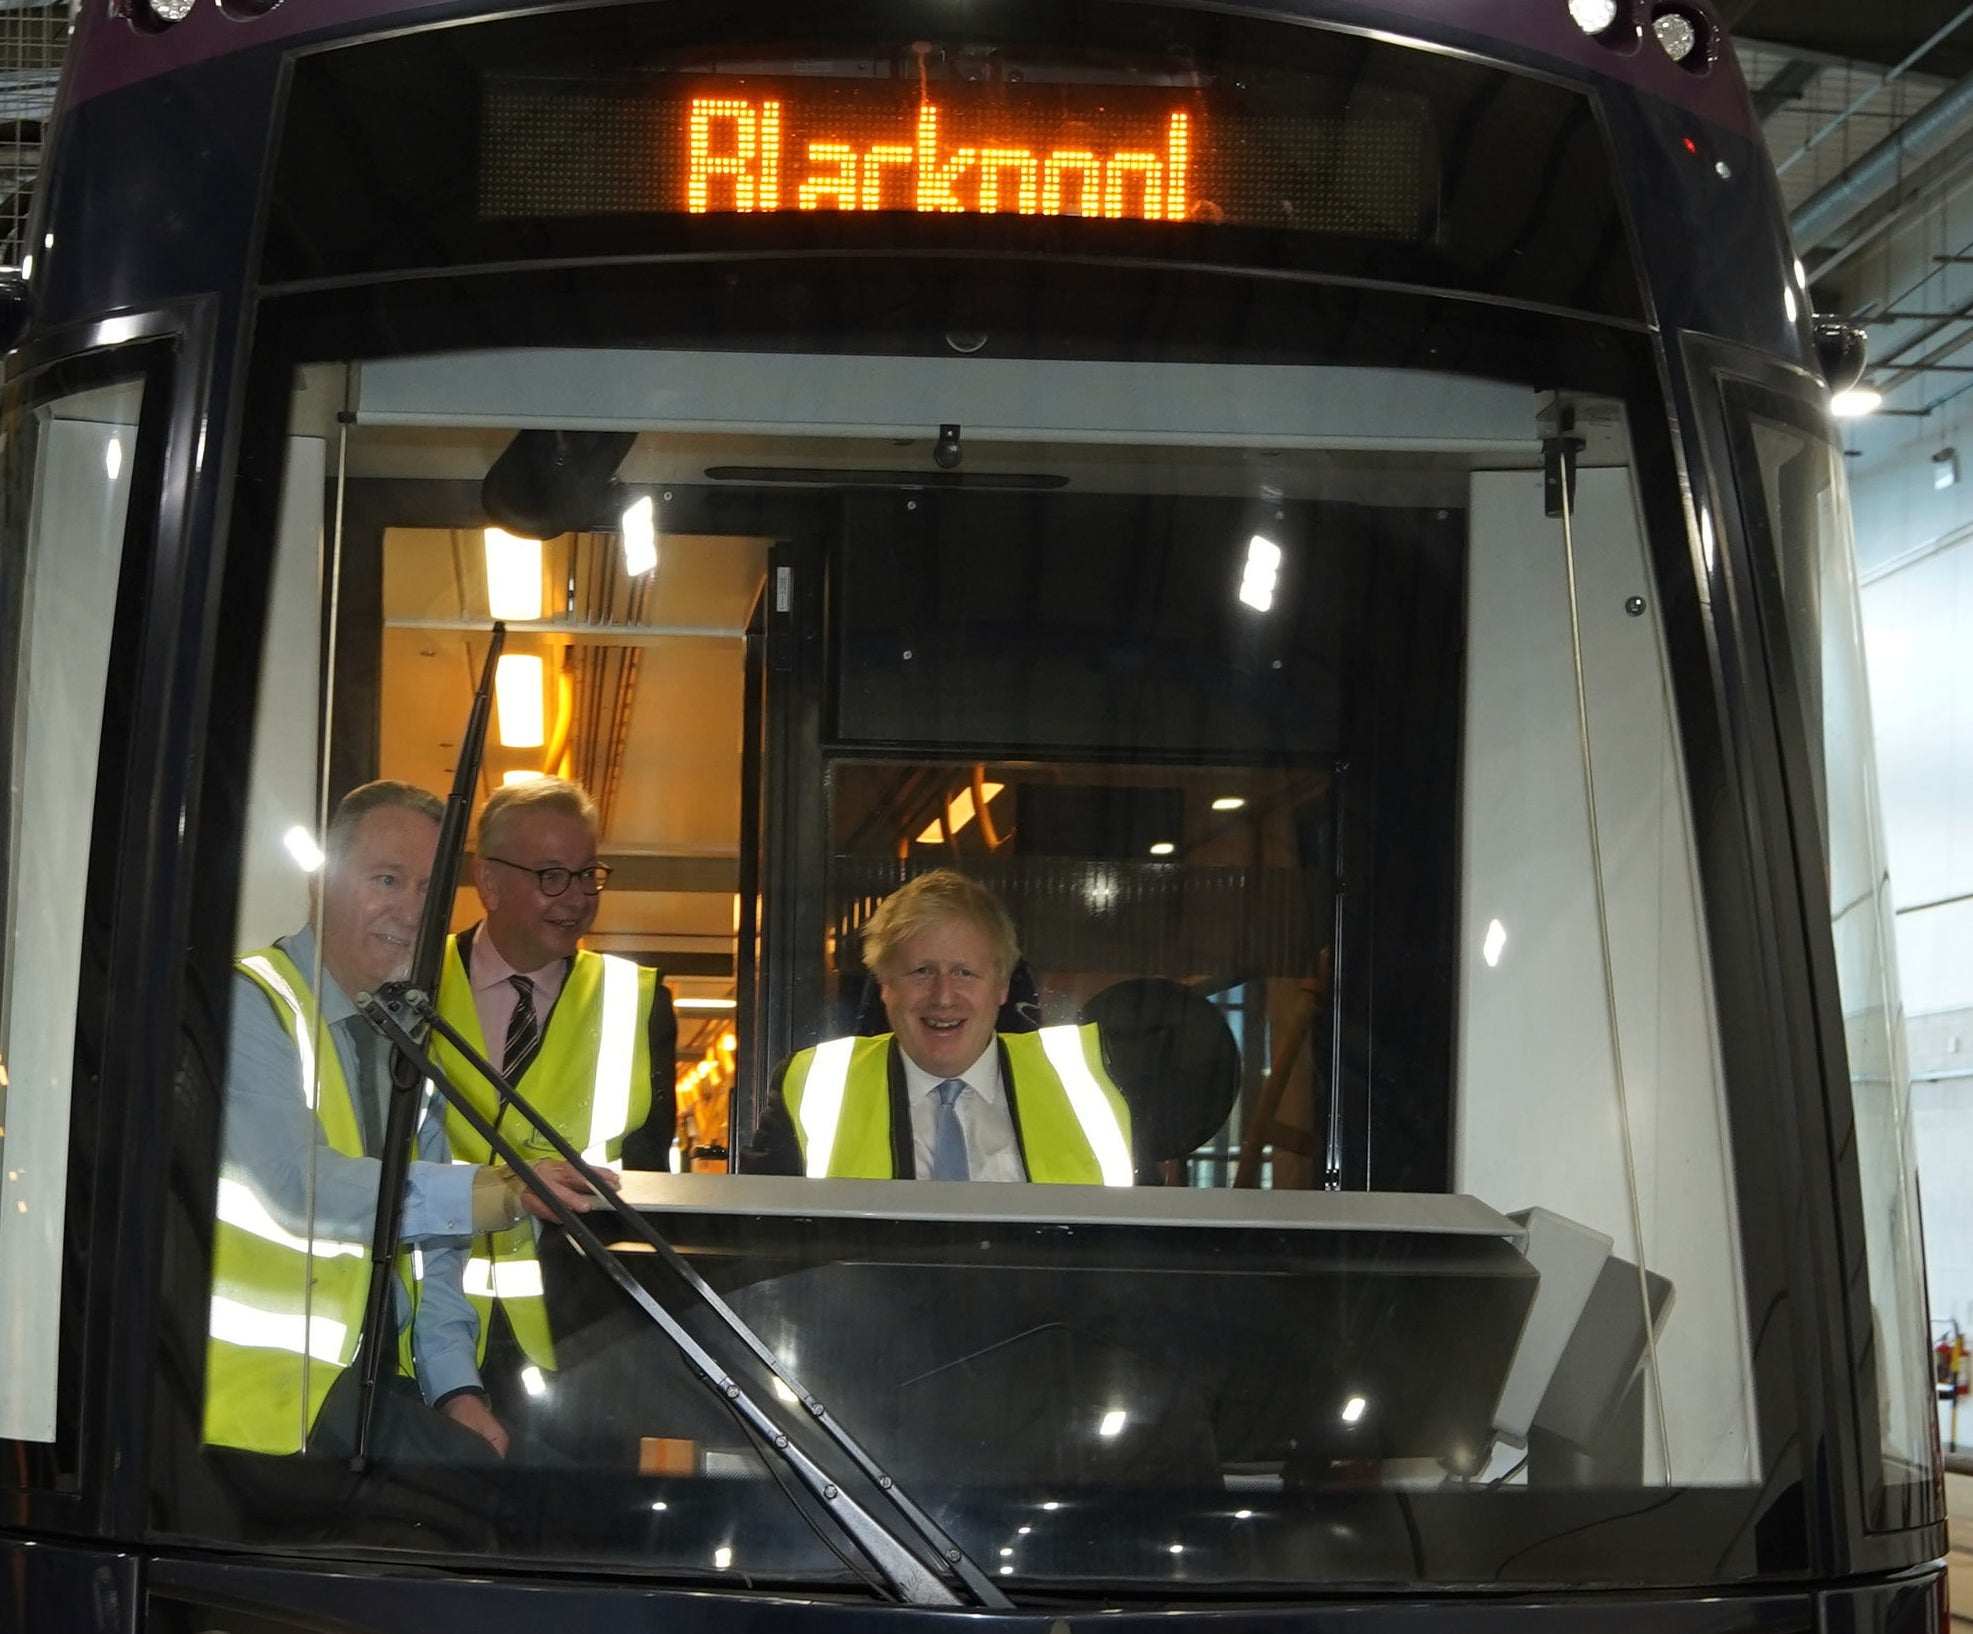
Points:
[[1276, 606]]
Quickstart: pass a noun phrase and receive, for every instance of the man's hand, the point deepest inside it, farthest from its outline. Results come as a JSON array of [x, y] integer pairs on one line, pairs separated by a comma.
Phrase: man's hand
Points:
[[470, 1409], [501, 1197], [568, 1185]]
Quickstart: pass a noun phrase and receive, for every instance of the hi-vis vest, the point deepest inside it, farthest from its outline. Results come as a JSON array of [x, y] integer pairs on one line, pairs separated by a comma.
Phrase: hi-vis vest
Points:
[[591, 1079], [1073, 1121], [286, 1311]]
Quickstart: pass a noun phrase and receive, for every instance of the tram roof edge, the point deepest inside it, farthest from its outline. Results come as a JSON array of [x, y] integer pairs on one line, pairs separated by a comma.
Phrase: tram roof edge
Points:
[[111, 51]]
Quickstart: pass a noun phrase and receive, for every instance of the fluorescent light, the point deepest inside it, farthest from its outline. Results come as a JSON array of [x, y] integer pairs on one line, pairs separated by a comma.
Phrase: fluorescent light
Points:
[[1496, 940], [513, 576], [1177, 1548], [722, 1558], [1051, 1504], [659, 1507], [517, 686], [1113, 1423], [640, 537], [958, 813], [1163, 848], [302, 847], [1257, 581], [1855, 403], [1229, 802], [703, 1004], [1353, 1409]]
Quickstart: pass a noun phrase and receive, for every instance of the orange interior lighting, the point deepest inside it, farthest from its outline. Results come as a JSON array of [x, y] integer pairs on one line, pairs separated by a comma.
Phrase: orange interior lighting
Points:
[[958, 813]]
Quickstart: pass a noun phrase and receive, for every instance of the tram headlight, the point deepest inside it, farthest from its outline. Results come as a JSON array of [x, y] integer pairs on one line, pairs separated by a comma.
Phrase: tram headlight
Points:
[[1593, 16], [1682, 36], [170, 11]]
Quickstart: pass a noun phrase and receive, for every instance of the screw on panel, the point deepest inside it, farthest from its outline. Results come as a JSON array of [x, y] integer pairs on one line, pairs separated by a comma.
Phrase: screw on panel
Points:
[[1635, 606]]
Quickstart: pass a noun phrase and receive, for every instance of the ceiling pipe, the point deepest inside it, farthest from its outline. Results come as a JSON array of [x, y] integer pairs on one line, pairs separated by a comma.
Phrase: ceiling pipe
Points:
[[1933, 129]]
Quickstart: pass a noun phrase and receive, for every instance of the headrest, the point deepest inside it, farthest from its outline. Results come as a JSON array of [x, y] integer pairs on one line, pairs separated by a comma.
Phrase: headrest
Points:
[[1171, 1053]]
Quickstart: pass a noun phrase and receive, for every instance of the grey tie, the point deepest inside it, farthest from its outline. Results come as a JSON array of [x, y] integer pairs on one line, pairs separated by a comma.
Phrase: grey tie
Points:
[[948, 1139], [369, 1104]]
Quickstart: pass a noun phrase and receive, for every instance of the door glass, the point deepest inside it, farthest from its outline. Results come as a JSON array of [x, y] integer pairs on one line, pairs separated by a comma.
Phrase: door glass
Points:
[[65, 482]]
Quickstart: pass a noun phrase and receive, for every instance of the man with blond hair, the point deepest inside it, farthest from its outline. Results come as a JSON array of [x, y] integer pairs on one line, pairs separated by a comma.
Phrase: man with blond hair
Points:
[[943, 1095], [586, 1038]]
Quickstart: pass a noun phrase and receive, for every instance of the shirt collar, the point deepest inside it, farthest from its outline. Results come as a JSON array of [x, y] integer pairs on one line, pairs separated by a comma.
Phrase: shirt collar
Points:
[[335, 1003], [490, 970], [982, 1077]]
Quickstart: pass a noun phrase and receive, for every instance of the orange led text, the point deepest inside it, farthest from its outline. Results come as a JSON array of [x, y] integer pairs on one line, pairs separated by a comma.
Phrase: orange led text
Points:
[[737, 162]]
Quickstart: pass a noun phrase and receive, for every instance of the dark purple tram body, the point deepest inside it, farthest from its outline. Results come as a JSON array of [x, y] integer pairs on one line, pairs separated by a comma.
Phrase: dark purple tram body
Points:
[[1328, 507]]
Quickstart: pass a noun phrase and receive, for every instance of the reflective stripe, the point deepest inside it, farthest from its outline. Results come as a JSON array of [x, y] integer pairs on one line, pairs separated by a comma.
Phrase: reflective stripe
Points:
[[240, 1206], [822, 1102], [503, 1279], [303, 1034], [321, 1337], [1063, 1046], [609, 1102]]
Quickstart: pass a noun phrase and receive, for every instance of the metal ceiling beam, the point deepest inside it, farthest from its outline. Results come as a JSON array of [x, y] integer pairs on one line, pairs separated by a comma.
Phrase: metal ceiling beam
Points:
[[1785, 87], [1935, 128]]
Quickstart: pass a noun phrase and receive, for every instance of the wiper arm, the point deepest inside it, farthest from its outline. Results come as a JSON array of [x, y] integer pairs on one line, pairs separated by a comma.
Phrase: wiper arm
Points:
[[379, 1338], [912, 1551]]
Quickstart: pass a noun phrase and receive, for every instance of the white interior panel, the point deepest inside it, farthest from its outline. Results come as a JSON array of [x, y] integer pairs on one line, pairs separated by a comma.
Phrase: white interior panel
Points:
[[282, 794], [1542, 1118], [992, 398]]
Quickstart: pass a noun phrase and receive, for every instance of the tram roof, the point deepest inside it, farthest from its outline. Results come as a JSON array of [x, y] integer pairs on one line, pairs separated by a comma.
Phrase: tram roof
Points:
[[111, 50]]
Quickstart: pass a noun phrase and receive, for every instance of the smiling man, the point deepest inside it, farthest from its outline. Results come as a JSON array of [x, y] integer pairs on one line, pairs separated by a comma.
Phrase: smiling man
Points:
[[943, 1095], [307, 1093], [586, 1038]]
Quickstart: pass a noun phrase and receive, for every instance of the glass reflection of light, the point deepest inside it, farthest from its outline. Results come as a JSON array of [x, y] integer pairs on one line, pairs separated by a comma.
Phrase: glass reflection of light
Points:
[[722, 1557], [1257, 581], [1113, 1423], [659, 1507], [1051, 1504], [1353, 1409], [1229, 802], [1243, 1514], [113, 458], [640, 537], [1496, 940], [532, 1381], [302, 847]]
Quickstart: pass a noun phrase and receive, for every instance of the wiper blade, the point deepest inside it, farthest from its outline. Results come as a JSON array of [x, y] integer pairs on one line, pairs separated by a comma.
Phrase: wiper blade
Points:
[[379, 1337], [913, 1552]]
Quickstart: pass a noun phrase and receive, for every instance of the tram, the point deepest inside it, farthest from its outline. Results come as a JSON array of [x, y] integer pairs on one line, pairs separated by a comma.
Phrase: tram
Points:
[[1327, 508]]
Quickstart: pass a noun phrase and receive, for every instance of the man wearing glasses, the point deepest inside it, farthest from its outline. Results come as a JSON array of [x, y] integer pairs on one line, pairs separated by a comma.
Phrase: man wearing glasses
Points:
[[586, 1038]]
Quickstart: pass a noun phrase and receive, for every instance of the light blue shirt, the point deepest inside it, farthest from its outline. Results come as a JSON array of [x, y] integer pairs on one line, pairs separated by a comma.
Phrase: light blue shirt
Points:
[[273, 1141]]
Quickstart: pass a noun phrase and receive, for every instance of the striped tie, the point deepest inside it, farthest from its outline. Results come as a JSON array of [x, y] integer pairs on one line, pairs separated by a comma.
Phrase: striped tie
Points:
[[523, 1030]]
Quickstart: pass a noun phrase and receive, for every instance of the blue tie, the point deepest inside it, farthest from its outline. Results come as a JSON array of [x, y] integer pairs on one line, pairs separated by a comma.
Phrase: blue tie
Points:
[[948, 1139]]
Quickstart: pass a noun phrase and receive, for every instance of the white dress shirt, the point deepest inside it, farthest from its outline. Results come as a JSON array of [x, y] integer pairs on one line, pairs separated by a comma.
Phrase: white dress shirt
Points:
[[992, 1153]]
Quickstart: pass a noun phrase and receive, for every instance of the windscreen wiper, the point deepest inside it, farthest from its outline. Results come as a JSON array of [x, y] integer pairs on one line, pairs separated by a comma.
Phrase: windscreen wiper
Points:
[[922, 1564], [379, 1338]]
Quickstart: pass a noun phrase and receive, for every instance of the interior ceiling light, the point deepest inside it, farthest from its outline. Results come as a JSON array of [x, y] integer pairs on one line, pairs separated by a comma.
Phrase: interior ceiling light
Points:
[[640, 537], [1229, 802], [517, 689], [1593, 16], [1677, 33], [513, 577], [510, 779]]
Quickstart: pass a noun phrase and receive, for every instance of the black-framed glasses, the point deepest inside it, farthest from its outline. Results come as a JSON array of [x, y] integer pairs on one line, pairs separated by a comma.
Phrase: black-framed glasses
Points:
[[554, 881]]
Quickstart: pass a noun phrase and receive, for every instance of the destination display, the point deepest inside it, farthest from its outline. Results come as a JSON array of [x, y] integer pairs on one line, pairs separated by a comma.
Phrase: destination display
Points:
[[708, 145]]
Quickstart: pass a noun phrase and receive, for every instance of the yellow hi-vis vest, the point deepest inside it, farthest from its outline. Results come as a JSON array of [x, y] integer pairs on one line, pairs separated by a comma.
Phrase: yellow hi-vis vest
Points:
[[1073, 1121], [286, 1311], [591, 1079]]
